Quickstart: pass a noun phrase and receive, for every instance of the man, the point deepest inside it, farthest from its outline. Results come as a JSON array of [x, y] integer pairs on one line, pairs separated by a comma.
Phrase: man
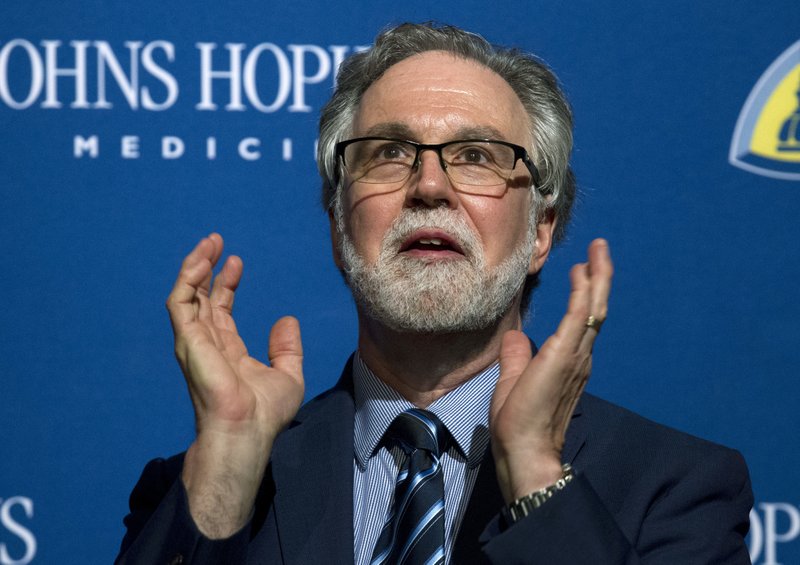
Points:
[[445, 167]]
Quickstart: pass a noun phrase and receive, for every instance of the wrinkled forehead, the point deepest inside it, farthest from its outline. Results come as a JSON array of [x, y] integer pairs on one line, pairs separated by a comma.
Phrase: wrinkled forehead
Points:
[[438, 96]]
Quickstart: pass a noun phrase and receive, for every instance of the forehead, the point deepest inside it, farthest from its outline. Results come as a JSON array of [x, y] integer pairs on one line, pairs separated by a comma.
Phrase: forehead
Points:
[[436, 97]]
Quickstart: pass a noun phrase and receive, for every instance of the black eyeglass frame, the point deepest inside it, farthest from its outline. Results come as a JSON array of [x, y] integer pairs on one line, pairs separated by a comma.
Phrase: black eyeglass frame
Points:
[[520, 153]]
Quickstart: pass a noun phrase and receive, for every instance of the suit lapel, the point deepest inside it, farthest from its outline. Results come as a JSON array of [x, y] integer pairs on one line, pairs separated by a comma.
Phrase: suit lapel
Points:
[[313, 470], [484, 504]]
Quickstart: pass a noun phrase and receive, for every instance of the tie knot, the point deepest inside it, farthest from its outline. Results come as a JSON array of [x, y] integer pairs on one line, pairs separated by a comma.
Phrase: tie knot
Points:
[[419, 429]]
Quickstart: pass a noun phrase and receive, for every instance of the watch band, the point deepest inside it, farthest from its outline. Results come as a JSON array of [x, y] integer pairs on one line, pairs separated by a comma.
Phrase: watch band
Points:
[[524, 505]]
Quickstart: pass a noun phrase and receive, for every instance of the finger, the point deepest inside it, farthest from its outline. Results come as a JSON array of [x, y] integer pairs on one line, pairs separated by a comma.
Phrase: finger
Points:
[[203, 289], [215, 251], [515, 354], [601, 271], [225, 284], [195, 268], [286, 348], [219, 245], [591, 285], [571, 330]]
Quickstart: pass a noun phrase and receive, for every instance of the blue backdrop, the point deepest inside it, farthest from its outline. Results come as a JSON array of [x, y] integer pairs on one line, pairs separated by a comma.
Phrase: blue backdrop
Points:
[[130, 130]]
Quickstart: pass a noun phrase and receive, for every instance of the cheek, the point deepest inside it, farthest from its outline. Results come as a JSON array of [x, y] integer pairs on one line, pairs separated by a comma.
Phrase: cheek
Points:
[[367, 221], [501, 223]]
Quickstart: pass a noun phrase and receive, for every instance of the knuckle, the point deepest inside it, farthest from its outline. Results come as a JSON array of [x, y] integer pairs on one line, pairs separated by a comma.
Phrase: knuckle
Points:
[[581, 310]]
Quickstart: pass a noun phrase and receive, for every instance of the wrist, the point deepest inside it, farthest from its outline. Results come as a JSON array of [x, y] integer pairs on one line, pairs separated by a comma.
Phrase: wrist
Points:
[[221, 480], [522, 474], [526, 504]]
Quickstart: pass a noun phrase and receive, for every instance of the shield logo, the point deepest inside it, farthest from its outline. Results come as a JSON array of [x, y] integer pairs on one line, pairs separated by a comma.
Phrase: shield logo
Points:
[[766, 140]]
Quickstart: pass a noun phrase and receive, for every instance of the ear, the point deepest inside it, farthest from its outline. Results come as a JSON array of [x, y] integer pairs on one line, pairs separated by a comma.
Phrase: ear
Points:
[[544, 241], [337, 256]]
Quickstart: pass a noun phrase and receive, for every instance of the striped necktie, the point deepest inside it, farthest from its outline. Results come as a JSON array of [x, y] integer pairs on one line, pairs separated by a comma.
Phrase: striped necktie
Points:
[[414, 533]]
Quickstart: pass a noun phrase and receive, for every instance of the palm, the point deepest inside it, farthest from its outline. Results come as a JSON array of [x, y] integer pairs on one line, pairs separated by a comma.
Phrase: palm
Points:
[[542, 395], [229, 388]]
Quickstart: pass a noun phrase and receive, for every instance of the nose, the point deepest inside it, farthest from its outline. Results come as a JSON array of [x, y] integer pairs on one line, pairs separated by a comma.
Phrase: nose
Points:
[[430, 185]]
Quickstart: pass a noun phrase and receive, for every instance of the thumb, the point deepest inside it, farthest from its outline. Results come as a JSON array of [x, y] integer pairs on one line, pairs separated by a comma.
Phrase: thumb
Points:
[[286, 347], [515, 354]]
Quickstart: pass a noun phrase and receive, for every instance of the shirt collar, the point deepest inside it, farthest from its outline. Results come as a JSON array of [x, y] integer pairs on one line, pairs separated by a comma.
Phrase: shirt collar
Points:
[[464, 411]]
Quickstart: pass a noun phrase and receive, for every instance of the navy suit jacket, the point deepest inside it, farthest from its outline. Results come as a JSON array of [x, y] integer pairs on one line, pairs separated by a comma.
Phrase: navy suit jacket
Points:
[[643, 494]]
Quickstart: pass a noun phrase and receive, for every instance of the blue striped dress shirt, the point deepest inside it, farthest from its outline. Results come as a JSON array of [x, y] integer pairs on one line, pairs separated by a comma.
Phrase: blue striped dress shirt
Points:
[[465, 413]]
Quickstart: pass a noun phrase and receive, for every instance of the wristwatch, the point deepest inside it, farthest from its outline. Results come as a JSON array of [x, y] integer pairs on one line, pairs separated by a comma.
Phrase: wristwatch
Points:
[[524, 505]]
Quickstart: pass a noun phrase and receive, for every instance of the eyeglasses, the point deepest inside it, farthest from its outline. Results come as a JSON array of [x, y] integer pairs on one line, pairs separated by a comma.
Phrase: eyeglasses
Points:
[[484, 165]]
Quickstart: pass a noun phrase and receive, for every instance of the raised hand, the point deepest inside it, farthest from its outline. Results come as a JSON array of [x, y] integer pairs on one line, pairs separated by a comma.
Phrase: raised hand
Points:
[[240, 403], [535, 397]]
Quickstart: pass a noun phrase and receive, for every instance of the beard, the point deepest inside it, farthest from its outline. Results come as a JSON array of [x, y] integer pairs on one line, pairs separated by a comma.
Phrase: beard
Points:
[[412, 294]]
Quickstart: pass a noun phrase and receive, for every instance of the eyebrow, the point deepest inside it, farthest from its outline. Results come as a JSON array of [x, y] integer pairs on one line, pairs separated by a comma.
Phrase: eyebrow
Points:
[[402, 131], [390, 129]]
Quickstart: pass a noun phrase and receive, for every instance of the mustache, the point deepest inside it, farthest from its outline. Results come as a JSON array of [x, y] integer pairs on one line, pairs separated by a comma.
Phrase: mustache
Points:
[[411, 220]]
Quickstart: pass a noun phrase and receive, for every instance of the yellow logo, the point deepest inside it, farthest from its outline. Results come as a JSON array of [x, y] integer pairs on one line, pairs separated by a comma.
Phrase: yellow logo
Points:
[[766, 140]]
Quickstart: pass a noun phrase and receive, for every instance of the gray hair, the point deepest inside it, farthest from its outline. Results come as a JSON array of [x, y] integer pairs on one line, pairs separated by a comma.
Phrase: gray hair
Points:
[[549, 114]]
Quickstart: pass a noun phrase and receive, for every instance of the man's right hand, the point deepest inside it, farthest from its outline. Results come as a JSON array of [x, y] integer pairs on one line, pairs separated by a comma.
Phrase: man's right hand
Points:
[[240, 403]]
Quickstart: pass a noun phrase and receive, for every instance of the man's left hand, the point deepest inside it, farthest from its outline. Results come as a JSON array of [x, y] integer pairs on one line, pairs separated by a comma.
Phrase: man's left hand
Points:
[[536, 396]]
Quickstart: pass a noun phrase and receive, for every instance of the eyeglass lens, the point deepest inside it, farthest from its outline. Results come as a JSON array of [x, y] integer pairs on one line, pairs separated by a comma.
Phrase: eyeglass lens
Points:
[[474, 163]]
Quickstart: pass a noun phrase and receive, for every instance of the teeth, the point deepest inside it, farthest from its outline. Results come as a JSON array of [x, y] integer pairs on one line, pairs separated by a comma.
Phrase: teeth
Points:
[[432, 241]]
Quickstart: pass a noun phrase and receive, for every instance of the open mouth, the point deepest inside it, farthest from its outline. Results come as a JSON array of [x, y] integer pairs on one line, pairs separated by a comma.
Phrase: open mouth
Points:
[[431, 244]]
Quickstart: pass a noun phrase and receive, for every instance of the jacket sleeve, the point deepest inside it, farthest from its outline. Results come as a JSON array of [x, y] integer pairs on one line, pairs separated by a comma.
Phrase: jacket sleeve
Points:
[[695, 515]]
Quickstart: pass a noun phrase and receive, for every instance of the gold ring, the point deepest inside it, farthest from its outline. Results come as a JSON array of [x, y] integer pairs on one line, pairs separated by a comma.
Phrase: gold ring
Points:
[[593, 323]]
